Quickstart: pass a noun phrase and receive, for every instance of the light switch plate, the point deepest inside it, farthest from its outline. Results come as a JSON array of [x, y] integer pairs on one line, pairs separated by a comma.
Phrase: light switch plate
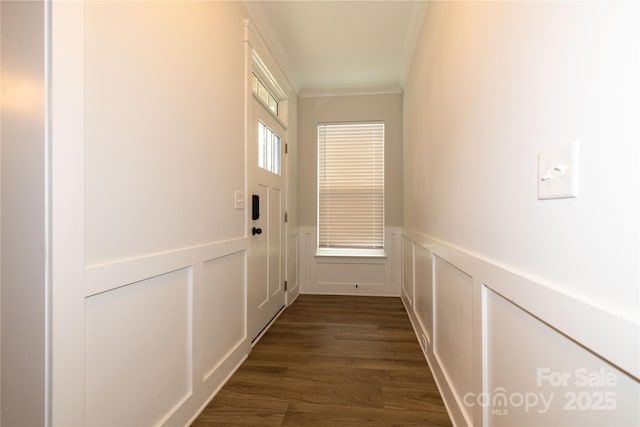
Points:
[[558, 172], [239, 199]]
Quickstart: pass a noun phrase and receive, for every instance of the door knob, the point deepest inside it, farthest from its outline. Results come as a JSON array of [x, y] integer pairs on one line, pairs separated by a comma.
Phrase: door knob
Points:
[[255, 231]]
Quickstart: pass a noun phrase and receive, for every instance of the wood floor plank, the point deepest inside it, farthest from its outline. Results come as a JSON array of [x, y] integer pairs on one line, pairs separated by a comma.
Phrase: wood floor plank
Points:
[[344, 375], [412, 398], [385, 335], [322, 415], [332, 361], [238, 409], [369, 396], [259, 372]]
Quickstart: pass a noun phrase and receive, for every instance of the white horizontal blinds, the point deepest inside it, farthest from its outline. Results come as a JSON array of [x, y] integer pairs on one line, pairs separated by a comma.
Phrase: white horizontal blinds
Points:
[[351, 185]]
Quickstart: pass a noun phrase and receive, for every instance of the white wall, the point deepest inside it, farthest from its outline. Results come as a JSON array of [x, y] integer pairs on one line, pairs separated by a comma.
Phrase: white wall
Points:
[[150, 279], [164, 127], [165, 248], [23, 291], [498, 282]]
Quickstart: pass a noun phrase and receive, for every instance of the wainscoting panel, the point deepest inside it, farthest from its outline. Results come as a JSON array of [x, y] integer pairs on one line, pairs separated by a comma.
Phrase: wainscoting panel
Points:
[[164, 332], [407, 270], [333, 271], [138, 351], [104, 277], [423, 305], [452, 343], [340, 274], [293, 285], [222, 305], [529, 384], [508, 350]]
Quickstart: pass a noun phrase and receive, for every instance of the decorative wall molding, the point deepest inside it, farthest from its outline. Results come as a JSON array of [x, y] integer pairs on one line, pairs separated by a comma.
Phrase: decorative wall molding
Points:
[[293, 262], [588, 324], [339, 275], [560, 329], [214, 337], [107, 276], [331, 92]]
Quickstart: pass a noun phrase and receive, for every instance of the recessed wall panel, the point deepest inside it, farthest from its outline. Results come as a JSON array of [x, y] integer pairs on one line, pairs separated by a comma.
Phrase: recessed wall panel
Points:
[[138, 352], [321, 274], [538, 377], [222, 307], [424, 289], [407, 269], [292, 261], [348, 274], [453, 327]]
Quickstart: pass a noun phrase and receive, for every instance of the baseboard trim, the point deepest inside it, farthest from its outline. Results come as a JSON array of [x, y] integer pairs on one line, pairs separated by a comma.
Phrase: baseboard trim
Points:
[[443, 387]]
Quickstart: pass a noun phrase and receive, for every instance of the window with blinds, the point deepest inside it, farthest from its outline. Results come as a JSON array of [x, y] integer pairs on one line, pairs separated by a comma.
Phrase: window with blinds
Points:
[[350, 187]]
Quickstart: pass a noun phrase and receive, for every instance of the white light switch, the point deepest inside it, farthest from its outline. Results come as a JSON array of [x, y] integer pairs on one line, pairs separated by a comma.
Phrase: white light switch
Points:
[[558, 172], [239, 199]]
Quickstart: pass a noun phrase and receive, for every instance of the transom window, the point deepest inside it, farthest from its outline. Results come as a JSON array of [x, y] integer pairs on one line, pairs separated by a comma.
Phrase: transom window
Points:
[[263, 93], [351, 188]]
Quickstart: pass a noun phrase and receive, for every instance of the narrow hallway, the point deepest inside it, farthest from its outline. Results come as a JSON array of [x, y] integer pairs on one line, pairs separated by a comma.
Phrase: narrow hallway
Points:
[[174, 173], [333, 360]]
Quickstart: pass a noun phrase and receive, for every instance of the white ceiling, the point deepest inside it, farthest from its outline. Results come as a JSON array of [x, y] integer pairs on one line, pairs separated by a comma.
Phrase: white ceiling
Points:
[[333, 47]]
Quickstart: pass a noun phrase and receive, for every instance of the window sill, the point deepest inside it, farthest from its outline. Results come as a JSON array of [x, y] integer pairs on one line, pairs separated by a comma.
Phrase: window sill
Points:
[[352, 253]]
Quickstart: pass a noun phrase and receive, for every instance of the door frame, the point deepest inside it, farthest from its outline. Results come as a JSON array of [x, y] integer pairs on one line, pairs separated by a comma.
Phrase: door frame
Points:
[[259, 60], [65, 218], [266, 294]]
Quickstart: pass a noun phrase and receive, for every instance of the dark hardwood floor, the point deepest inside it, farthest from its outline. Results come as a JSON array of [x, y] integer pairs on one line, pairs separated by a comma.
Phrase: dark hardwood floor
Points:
[[332, 361]]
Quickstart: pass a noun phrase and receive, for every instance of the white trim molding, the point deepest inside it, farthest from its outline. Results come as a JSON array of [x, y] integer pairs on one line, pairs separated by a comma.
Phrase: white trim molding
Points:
[[66, 148], [349, 275], [501, 329]]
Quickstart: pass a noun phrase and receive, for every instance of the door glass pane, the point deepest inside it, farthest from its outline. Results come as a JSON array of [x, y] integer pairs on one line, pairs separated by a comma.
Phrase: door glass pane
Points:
[[269, 150], [269, 146], [262, 145], [276, 154], [273, 104], [264, 94]]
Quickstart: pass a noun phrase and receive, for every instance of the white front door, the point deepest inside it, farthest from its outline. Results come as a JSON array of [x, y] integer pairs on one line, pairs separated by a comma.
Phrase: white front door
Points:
[[266, 295]]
